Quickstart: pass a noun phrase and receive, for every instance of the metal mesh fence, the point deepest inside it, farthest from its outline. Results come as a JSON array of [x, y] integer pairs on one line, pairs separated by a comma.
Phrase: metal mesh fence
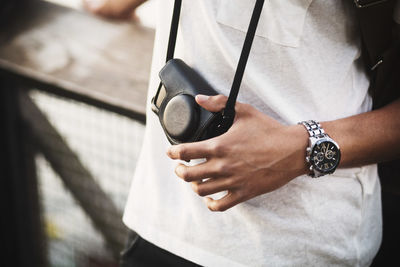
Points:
[[107, 145]]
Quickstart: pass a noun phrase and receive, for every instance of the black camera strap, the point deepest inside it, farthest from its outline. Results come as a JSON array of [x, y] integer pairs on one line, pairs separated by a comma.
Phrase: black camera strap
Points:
[[174, 30], [229, 111]]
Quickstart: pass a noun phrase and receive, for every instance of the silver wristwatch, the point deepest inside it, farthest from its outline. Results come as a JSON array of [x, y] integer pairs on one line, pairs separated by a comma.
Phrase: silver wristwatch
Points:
[[323, 153]]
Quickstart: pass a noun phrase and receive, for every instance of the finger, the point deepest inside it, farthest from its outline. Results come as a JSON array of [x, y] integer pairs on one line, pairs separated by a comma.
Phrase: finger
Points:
[[218, 103], [212, 103], [212, 186], [231, 199], [188, 151], [198, 172]]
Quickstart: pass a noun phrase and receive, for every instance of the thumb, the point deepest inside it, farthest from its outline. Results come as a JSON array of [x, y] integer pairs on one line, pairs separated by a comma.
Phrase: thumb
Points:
[[212, 103]]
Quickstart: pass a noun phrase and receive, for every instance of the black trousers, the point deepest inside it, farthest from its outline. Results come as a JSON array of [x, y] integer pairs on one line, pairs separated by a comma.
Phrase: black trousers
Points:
[[141, 253]]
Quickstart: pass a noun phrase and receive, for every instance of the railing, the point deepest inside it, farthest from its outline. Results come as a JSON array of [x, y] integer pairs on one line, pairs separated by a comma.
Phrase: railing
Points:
[[75, 56]]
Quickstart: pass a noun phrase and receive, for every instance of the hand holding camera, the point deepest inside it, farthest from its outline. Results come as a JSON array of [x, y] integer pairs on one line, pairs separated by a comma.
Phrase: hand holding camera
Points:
[[257, 155]]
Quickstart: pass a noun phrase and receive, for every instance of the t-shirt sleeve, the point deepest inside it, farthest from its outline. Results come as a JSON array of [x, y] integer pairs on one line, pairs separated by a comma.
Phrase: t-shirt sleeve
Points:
[[396, 15]]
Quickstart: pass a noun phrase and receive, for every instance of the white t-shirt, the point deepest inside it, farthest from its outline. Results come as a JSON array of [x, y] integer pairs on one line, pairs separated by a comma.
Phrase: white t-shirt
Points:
[[304, 64]]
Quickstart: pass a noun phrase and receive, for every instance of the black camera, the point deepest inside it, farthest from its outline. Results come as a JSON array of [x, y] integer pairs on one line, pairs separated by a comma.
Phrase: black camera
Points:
[[182, 119]]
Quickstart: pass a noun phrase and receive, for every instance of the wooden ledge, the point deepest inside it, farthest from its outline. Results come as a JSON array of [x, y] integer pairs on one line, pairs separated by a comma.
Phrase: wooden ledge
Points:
[[73, 53]]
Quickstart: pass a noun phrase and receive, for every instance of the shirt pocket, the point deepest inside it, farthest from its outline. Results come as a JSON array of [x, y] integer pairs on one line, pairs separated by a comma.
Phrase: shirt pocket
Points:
[[281, 22]]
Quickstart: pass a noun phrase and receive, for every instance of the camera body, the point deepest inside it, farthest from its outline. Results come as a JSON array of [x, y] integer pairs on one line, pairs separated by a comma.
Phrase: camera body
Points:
[[181, 118]]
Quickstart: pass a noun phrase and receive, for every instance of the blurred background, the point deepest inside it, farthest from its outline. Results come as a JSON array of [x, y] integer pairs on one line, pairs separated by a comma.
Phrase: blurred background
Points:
[[73, 81]]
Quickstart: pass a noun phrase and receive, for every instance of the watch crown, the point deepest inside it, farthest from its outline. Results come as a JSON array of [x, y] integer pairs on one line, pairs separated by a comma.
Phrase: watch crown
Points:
[[308, 159]]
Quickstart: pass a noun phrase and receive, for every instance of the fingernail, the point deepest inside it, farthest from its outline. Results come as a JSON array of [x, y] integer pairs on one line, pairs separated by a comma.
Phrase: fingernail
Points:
[[178, 170], [169, 151], [207, 200], [172, 150], [202, 98]]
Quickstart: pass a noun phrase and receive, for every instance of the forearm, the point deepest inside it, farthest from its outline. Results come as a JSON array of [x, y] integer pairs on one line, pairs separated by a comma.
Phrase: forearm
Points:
[[367, 138], [258, 154]]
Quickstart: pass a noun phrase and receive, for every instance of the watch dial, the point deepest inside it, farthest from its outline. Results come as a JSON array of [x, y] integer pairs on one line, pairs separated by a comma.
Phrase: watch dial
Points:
[[325, 156]]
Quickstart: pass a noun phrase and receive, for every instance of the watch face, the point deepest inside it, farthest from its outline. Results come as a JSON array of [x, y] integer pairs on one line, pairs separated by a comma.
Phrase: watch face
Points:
[[325, 156]]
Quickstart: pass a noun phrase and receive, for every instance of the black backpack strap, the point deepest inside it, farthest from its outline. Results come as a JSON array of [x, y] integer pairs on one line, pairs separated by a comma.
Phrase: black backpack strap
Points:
[[229, 111], [375, 18], [380, 49], [382, 55]]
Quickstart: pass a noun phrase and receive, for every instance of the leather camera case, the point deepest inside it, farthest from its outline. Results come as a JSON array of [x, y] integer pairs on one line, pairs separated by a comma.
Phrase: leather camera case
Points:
[[181, 118]]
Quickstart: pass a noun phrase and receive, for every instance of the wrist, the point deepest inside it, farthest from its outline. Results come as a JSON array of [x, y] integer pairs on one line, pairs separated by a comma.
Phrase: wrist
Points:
[[300, 137]]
